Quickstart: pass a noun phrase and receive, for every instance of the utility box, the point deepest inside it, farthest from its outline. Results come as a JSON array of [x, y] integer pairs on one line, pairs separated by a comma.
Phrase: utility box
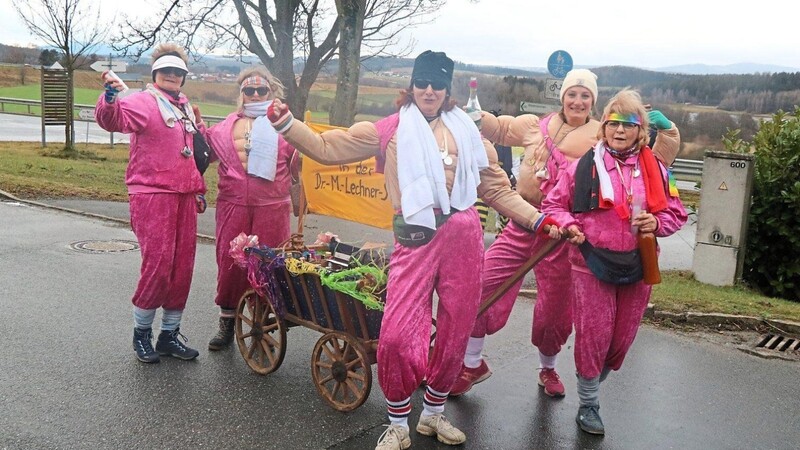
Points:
[[722, 218]]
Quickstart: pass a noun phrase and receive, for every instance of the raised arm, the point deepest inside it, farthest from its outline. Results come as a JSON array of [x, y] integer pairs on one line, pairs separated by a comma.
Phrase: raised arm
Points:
[[357, 143]]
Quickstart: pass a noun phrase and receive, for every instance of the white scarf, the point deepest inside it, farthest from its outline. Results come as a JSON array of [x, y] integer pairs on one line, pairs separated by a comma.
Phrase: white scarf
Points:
[[169, 112], [420, 169], [606, 190], [256, 109], [263, 158]]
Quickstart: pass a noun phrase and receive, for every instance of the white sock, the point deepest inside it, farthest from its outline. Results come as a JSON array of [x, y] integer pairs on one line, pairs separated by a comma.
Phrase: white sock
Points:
[[547, 362], [402, 421], [473, 358]]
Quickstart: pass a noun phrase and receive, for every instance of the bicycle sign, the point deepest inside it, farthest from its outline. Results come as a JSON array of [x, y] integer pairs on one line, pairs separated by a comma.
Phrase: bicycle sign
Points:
[[552, 88], [559, 63]]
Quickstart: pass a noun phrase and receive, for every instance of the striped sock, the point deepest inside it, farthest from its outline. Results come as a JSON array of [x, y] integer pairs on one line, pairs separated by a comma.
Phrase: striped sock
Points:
[[398, 412], [227, 313], [433, 402]]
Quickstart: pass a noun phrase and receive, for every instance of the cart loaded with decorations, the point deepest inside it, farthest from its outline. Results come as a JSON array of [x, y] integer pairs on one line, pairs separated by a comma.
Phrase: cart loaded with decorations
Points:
[[332, 288]]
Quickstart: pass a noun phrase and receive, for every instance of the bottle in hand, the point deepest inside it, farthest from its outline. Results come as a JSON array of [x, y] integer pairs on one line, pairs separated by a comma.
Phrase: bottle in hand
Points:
[[473, 107]]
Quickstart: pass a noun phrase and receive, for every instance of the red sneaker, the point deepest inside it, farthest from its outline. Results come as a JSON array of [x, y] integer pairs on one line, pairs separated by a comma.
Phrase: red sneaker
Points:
[[551, 382], [469, 377]]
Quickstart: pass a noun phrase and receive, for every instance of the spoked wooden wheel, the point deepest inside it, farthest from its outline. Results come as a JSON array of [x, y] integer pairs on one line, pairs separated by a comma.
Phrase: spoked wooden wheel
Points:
[[260, 334], [341, 371]]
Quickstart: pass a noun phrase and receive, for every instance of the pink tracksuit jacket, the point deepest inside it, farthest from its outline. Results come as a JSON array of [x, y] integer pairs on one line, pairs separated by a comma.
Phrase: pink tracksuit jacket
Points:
[[247, 204], [606, 316], [162, 184]]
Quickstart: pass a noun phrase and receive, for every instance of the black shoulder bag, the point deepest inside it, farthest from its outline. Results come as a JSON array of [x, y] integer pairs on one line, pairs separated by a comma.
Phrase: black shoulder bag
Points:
[[201, 150]]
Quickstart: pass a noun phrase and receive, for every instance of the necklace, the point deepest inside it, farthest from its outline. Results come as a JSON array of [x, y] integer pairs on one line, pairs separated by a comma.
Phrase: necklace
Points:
[[567, 133], [247, 136], [443, 153]]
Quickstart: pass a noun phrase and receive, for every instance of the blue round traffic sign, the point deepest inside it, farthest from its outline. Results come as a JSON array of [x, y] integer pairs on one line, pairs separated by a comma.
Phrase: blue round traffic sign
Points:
[[559, 63]]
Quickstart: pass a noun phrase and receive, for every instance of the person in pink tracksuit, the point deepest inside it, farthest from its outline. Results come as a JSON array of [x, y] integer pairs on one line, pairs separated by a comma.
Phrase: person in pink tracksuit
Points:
[[551, 144], [255, 172], [165, 193], [613, 192], [436, 165]]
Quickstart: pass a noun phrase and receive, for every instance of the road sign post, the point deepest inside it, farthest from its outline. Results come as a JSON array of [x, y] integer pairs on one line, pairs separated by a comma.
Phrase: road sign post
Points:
[[552, 88], [559, 63], [116, 66], [536, 108]]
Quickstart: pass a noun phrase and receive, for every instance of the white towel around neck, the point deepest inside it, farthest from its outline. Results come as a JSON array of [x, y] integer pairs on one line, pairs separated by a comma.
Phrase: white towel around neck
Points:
[[169, 112], [420, 169], [263, 158]]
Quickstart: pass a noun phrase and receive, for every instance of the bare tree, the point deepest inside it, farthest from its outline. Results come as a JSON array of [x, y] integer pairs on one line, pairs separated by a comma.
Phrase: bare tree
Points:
[[293, 38], [71, 27], [373, 25]]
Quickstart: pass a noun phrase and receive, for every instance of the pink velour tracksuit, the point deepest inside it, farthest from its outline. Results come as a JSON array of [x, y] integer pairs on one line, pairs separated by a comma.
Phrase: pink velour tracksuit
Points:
[[607, 316], [246, 204], [450, 264], [552, 318], [162, 184]]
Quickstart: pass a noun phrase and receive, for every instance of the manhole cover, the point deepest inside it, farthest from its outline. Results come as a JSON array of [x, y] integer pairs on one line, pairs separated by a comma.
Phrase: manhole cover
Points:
[[112, 246]]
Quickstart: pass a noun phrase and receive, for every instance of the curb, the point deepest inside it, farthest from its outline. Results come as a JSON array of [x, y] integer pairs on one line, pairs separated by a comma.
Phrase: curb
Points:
[[714, 320], [4, 194]]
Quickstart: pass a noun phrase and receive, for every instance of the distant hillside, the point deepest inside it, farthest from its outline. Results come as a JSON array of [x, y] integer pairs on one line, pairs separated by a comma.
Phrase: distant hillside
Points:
[[736, 69]]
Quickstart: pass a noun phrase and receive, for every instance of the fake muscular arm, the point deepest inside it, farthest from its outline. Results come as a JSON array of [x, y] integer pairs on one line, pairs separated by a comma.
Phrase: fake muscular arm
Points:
[[357, 143], [495, 190], [667, 144]]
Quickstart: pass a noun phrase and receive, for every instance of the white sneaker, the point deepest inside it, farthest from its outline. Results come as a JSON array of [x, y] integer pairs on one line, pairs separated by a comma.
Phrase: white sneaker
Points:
[[394, 438], [439, 425]]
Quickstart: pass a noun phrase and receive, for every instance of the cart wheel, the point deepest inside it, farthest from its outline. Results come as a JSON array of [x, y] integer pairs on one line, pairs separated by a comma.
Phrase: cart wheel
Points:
[[260, 334], [341, 371]]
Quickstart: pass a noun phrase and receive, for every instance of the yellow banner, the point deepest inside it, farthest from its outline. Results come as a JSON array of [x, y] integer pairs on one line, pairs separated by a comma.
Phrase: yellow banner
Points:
[[352, 192]]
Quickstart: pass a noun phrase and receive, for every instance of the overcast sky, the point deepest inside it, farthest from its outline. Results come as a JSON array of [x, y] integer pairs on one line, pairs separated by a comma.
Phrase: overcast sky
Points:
[[523, 33]]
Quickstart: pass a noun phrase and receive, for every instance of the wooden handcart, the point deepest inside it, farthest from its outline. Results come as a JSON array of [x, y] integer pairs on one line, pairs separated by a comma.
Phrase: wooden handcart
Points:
[[342, 357]]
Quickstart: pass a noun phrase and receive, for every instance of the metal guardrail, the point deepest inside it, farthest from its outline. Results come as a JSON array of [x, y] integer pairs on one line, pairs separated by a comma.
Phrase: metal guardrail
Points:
[[687, 169], [29, 104]]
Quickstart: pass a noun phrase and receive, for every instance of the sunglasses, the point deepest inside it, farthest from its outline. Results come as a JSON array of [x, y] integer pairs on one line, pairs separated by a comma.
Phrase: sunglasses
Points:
[[173, 71], [249, 91], [614, 124], [436, 85]]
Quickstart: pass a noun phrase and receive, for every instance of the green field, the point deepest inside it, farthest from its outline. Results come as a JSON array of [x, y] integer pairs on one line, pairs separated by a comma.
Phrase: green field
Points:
[[84, 97]]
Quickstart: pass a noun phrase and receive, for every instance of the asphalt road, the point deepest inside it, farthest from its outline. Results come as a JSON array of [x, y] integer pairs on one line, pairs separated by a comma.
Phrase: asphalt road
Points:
[[29, 129], [69, 380]]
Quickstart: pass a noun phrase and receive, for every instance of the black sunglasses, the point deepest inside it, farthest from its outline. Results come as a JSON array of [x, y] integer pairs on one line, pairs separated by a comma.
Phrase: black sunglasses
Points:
[[262, 90], [173, 71], [436, 85]]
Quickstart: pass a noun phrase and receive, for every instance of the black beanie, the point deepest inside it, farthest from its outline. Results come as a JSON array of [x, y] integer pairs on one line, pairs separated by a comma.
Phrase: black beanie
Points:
[[433, 66]]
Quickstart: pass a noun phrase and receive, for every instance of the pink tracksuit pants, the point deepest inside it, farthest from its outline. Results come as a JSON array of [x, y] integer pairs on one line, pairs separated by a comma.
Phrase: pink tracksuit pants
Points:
[[270, 223], [451, 265], [552, 315], [165, 225], [607, 318]]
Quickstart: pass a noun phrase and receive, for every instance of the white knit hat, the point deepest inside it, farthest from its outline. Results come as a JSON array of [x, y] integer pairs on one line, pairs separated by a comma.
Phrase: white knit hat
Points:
[[580, 77]]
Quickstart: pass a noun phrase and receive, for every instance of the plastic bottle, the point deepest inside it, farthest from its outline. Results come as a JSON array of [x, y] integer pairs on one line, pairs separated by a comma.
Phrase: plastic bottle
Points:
[[473, 107]]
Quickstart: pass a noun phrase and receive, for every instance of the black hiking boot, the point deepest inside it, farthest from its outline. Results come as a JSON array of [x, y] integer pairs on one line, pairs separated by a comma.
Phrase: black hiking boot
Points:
[[168, 344], [143, 345], [224, 336]]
